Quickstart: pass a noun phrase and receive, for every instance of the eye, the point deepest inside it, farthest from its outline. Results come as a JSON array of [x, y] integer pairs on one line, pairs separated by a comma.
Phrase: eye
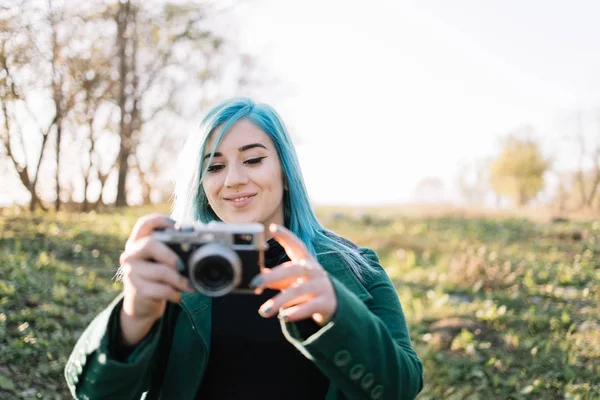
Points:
[[254, 161], [215, 168]]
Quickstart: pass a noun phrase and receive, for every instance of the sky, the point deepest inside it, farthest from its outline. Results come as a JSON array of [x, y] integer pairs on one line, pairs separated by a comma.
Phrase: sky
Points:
[[381, 94]]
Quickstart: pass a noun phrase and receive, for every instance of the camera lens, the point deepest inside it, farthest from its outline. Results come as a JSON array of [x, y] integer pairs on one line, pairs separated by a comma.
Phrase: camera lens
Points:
[[215, 269], [214, 272]]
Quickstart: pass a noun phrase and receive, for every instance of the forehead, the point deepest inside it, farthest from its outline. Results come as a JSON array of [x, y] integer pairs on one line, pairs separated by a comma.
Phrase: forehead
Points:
[[241, 133]]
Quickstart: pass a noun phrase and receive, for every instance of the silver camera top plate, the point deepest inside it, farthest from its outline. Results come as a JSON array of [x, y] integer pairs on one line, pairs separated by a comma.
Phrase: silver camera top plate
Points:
[[250, 235]]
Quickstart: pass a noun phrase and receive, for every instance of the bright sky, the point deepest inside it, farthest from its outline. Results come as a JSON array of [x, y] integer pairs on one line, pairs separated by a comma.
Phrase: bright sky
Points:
[[384, 93]]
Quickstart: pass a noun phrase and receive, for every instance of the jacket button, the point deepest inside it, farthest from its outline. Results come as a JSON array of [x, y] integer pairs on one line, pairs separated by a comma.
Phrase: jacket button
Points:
[[342, 358], [357, 372], [367, 381], [377, 392]]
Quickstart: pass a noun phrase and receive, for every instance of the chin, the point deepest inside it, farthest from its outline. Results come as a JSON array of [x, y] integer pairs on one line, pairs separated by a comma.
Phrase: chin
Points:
[[240, 219]]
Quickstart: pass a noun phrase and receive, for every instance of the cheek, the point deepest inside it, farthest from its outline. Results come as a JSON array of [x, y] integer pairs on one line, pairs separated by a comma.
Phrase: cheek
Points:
[[275, 178], [273, 184], [210, 188]]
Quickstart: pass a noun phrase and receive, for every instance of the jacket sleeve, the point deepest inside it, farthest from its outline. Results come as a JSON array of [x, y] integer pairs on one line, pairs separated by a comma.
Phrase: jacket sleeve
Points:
[[94, 372], [365, 350]]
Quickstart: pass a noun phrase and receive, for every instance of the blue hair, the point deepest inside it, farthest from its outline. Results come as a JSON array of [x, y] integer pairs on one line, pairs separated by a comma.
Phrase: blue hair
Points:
[[191, 203]]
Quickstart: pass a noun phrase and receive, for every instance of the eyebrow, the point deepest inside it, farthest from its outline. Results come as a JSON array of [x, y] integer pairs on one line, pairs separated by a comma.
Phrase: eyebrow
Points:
[[243, 148]]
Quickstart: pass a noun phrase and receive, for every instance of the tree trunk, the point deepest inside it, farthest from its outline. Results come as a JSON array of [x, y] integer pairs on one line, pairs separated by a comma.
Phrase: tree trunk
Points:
[[23, 171], [147, 191], [87, 171], [102, 178], [593, 189], [57, 87], [596, 182], [58, 140], [125, 128], [33, 202], [86, 204], [146, 188]]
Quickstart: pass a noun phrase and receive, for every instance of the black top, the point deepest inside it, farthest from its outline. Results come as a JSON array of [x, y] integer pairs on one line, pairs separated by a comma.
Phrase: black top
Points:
[[249, 356]]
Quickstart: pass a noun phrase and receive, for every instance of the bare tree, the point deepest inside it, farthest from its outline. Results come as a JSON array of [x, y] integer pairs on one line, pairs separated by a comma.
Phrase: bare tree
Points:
[[580, 188], [589, 180], [162, 52], [34, 51], [62, 102], [16, 58], [175, 60], [167, 61], [94, 113]]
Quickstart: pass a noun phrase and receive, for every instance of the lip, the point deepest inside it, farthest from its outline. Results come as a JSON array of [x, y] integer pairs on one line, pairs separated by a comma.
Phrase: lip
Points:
[[239, 204]]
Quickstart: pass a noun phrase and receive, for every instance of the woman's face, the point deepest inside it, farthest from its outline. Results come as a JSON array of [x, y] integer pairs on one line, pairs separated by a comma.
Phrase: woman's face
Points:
[[244, 181]]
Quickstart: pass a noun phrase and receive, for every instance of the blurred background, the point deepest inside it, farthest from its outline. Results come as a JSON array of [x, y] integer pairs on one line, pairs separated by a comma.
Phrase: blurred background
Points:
[[493, 105], [460, 140]]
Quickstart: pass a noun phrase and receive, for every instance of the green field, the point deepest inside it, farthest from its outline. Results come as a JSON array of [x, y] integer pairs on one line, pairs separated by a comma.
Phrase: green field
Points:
[[498, 308]]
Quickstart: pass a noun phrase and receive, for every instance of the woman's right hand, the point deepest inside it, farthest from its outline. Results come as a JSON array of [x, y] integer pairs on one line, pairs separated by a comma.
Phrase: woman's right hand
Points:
[[150, 279]]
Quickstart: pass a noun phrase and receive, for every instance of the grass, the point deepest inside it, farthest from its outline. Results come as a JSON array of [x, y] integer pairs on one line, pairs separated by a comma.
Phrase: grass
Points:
[[497, 308]]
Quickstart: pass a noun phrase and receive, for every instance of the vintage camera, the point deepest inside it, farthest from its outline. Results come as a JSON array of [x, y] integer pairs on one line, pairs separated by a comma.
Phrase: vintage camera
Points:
[[218, 257]]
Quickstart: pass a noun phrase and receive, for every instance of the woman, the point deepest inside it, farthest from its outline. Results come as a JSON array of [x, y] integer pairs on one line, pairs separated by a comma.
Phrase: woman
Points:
[[340, 331]]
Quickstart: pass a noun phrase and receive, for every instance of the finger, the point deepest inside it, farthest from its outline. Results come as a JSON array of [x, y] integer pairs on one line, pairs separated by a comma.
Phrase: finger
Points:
[[161, 273], [281, 276], [293, 246], [155, 290], [293, 296], [149, 249], [287, 274], [310, 309], [146, 224]]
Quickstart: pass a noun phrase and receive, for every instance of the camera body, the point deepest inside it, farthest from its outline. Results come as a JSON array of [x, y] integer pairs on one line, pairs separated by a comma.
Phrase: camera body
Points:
[[218, 258]]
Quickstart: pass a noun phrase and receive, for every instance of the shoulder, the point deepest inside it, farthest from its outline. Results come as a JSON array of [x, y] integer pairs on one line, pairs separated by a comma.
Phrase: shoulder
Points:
[[370, 277], [367, 254], [339, 239], [335, 246]]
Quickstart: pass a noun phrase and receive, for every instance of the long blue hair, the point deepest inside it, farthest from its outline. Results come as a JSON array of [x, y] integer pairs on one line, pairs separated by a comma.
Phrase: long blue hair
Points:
[[190, 203]]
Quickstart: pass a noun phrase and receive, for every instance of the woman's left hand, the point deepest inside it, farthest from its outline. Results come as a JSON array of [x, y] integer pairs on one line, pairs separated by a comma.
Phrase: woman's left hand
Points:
[[306, 290]]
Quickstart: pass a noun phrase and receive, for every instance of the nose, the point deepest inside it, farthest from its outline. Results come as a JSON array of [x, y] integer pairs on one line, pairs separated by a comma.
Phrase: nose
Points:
[[236, 176]]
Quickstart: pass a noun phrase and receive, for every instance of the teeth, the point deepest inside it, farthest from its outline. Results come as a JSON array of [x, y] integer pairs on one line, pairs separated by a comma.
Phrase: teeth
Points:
[[240, 199]]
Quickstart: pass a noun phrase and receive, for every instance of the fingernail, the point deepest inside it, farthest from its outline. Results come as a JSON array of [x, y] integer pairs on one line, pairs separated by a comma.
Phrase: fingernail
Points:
[[283, 316], [266, 308], [171, 221], [180, 266], [265, 312], [256, 282], [191, 286]]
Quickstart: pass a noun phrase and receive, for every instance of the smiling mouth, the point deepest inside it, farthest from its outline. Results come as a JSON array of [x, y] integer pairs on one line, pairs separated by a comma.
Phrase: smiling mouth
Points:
[[240, 199]]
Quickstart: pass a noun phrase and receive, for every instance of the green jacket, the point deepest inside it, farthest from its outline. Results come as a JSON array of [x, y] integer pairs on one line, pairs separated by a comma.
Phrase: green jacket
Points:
[[365, 350]]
